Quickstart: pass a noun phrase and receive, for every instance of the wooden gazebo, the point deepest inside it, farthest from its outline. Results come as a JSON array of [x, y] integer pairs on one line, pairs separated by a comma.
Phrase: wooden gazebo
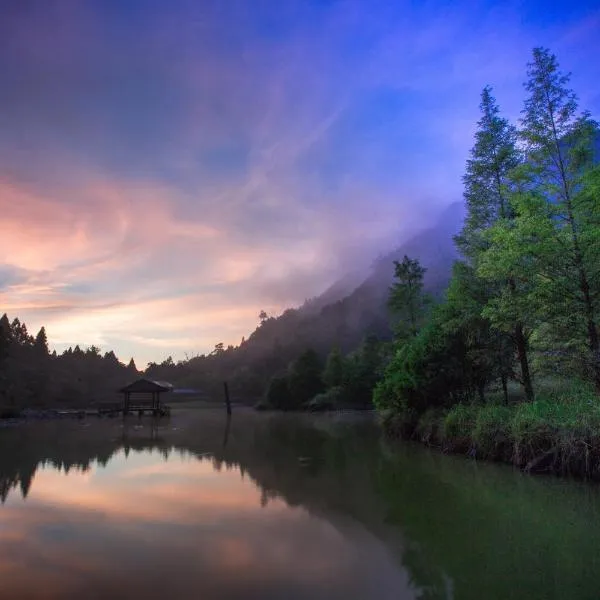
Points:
[[144, 395]]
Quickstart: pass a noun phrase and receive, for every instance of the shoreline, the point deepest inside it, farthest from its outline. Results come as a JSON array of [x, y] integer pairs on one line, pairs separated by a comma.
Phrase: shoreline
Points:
[[545, 450], [562, 453]]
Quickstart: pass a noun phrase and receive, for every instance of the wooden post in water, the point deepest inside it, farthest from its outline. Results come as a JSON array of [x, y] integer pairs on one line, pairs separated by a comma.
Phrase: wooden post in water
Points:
[[227, 401]]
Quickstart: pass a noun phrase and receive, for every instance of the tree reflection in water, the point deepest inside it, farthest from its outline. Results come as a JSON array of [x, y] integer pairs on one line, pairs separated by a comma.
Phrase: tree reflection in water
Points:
[[455, 528]]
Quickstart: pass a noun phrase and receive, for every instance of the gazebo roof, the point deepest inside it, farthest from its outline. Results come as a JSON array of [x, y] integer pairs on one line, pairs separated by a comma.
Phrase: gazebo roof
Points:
[[147, 385]]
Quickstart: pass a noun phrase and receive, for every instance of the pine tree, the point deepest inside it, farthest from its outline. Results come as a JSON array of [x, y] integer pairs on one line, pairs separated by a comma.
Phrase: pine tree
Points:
[[487, 193], [5, 337], [493, 157], [41, 343], [564, 232]]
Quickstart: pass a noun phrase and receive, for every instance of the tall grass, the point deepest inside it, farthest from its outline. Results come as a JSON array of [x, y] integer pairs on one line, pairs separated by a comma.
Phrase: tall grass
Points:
[[457, 427], [559, 432], [492, 432]]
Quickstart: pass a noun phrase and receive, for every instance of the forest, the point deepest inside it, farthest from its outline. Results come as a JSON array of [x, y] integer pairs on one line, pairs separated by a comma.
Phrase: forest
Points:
[[508, 365], [491, 347]]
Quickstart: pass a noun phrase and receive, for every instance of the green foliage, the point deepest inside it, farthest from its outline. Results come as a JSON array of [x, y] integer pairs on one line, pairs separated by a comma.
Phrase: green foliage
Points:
[[530, 281], [400, 390], [459, 424], [362, 370], [564, 424], [424, 372], [304, 379], [561, 172], [559, 432], [488, 351], [333, 375], [407, 299], [489, 188], [491, 432], [451, 360], [493, 156]]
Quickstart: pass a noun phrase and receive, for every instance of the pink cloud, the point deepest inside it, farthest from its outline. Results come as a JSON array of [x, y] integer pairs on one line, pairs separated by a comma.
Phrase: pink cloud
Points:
[[163, 185]]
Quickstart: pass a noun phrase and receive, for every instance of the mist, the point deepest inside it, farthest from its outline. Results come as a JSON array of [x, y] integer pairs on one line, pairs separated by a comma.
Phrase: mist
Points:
[[168, 173]]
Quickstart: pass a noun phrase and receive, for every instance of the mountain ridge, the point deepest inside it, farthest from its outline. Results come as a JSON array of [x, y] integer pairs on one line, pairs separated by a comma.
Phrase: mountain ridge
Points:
[[342, 316]]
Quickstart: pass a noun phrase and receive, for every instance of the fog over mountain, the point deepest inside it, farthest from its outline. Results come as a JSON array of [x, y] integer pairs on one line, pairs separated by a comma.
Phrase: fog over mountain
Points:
[[356, 305], [170, 169]]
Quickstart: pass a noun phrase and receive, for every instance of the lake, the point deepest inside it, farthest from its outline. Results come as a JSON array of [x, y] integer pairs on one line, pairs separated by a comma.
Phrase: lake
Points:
[[279, 506]]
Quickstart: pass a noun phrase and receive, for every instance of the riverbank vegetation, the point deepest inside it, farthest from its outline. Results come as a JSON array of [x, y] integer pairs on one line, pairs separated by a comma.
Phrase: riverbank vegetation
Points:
[[343, 381], [522, 305]]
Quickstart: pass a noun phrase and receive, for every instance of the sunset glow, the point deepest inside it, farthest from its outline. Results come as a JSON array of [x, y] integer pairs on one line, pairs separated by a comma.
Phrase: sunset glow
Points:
[[167, 172]]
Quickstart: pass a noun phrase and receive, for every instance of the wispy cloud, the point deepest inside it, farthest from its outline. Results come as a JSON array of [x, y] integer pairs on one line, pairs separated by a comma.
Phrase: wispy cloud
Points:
[[166, 172]]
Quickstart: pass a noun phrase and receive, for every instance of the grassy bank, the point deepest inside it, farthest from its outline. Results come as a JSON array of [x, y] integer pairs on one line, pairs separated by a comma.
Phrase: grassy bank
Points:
[[558, 433]]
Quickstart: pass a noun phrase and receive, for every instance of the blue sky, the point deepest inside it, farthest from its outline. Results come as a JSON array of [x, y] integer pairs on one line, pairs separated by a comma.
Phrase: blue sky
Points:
[[167, 170]]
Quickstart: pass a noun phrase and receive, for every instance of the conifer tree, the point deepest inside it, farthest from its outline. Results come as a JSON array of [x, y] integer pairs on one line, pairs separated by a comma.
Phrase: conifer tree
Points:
[[41, 342], [561, 217], [488, 197]]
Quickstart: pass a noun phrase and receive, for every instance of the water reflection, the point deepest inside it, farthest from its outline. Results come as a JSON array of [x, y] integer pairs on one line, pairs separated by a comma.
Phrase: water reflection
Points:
[[116, 511], [278, 506]]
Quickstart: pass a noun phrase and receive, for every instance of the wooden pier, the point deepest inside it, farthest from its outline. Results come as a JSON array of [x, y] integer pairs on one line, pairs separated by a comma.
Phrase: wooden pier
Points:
[[114, 410]]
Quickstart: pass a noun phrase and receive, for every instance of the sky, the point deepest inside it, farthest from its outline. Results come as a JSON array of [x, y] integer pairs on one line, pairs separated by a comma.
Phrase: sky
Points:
[[170, 169]]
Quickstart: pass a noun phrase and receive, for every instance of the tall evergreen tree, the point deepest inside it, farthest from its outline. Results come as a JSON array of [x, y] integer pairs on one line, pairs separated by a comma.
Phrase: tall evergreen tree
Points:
[[41, 342], [487, 194], [560, 154], [5, 337]]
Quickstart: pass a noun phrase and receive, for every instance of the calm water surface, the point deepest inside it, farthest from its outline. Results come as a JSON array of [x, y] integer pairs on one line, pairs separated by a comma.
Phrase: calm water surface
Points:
[[279, 506]]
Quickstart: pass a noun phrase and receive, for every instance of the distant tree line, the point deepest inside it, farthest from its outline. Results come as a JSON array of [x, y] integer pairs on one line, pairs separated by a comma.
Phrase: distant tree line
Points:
[[343, 381], [33, 377]]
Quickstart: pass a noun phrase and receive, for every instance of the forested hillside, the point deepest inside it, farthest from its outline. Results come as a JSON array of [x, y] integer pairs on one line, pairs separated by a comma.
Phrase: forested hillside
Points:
[[346, 315], [351, 310], [523, 303]]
